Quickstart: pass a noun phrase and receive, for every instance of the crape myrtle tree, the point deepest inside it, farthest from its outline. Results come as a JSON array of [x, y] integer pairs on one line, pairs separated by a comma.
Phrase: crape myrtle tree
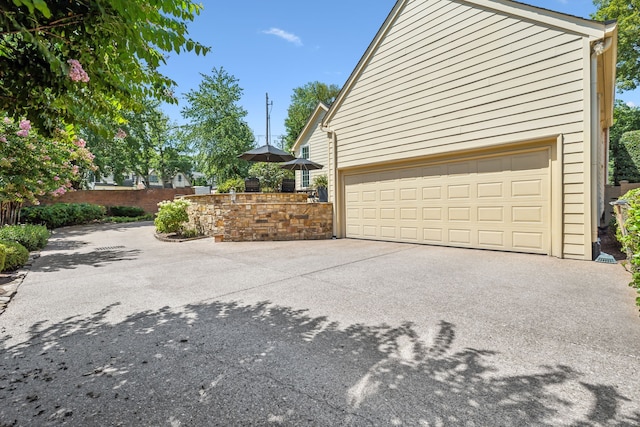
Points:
[[217, 132], [33, 165], [303, 101], [73, 60]]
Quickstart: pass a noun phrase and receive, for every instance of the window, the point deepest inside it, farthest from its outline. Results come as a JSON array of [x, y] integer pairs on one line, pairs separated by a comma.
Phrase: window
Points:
[[179, 178], [305, 174]]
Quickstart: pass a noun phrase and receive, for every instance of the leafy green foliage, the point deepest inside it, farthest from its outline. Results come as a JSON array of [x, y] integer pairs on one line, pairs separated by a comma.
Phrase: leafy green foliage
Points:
[[126, 219], [130, 211], [621, 165], [303, 101], [627, 13], [148, 143], [218, 132], [61, 214], [320, 181], [270, 175], [77, 60], [172, 216], [3, 256], [629, 235], [32, 237], [16, 255], [236, 183]]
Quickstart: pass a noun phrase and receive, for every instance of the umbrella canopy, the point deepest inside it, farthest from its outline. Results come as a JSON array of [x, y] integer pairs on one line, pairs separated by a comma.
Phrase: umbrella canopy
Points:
[[266, 153], [301, 164]]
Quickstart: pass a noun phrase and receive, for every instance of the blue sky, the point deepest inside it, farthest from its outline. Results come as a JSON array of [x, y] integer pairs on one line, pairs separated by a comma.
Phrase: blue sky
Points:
[[275, 46]]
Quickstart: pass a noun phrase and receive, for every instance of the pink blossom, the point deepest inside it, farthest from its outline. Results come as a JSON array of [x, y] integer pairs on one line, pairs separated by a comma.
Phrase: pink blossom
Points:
[[47, 157], [3, 138], [68, 184], [7, 121], [56, 178], [22, 132], [80, 143], [25, 125], [76, 73], [121, 134], [75, 169]]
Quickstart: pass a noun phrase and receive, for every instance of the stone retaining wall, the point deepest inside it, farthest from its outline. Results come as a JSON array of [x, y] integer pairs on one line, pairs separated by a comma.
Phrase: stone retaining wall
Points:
[[260, 216]]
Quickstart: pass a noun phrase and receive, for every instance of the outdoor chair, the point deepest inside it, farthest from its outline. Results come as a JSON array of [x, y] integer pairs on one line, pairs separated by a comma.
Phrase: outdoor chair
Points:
[[288, 185], [252, 185]]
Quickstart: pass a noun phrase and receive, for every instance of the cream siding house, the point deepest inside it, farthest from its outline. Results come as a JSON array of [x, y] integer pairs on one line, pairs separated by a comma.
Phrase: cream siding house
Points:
[[475, 123], [312, 143]]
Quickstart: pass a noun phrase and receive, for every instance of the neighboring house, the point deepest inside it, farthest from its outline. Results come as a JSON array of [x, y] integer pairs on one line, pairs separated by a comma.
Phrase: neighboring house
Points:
[[179, 180], [476, 123], [132, 182], [312, 144]]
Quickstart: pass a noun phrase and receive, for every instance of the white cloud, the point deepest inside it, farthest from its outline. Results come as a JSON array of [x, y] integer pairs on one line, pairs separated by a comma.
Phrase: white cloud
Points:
[[292, 38], [631, 104]]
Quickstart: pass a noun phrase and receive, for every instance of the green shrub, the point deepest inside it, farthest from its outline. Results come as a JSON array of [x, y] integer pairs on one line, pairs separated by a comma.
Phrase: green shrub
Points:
[[630, 239], [61, 214], [172, 216], [3, 256], [125, 219], [128, 211], [270, 175], [32, 237], [16, 255], [236, 183]]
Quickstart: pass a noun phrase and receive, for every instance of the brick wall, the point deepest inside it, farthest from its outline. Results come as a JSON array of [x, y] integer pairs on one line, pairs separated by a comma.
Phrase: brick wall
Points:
[[261, 216], [146, 199]]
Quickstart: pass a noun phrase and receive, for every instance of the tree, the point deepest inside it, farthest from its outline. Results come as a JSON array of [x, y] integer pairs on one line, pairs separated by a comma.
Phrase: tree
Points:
[[627, 13], [621, 166], [34, 166], [218, 133], [303, 101], [73, 60], [270, 175]]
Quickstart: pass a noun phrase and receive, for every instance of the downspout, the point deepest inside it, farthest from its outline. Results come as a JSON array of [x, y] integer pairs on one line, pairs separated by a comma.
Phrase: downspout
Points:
[[333, 145], [599, 47]]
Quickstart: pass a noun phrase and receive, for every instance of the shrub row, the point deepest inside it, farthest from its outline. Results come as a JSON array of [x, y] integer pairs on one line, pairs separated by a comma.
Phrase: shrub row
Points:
[[61, 214], [126, 211]]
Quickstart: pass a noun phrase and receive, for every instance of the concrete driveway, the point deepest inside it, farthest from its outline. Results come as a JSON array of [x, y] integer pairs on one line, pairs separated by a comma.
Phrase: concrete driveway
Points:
[[112, 327]]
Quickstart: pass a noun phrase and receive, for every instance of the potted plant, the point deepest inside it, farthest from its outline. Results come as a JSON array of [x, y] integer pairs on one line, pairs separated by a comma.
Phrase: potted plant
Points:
[[321, 183]]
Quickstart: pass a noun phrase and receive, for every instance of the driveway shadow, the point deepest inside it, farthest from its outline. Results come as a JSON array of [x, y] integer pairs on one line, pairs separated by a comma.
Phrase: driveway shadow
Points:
[[231, 364], [100, 257]]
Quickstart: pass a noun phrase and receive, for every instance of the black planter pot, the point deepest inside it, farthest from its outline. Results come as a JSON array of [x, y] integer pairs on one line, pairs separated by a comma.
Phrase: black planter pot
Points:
[[322, 194]]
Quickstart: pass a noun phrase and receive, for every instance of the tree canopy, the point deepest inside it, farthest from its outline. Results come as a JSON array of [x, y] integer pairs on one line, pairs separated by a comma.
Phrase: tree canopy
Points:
[[621, 164], [303, 101], [72, 60], [627, 13], [217, 131]]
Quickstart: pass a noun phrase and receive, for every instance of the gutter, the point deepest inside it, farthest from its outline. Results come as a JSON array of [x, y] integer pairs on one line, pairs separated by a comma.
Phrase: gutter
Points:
[[598, 48], [334, 178]]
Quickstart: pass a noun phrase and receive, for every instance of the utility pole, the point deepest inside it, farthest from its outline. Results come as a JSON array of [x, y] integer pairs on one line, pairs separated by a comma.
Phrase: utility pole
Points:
[[267, 136]]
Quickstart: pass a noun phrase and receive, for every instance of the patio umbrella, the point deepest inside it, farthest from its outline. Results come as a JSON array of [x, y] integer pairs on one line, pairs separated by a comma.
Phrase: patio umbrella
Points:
[[266, 153], [300, 164]]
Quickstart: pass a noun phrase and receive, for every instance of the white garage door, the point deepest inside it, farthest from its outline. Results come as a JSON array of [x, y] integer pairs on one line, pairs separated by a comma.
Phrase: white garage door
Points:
[[500, 202]]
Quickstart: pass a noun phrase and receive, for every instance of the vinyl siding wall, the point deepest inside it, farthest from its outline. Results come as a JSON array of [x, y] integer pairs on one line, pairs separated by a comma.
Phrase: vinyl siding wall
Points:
[[318, 152], [448, 76]]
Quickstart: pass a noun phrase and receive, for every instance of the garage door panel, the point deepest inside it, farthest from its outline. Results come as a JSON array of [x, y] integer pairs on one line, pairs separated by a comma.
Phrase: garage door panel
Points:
[[500, 202]]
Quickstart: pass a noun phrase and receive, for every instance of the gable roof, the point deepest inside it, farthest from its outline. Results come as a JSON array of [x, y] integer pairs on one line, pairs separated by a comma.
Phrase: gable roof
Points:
[[565, 22], [319, 113]]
